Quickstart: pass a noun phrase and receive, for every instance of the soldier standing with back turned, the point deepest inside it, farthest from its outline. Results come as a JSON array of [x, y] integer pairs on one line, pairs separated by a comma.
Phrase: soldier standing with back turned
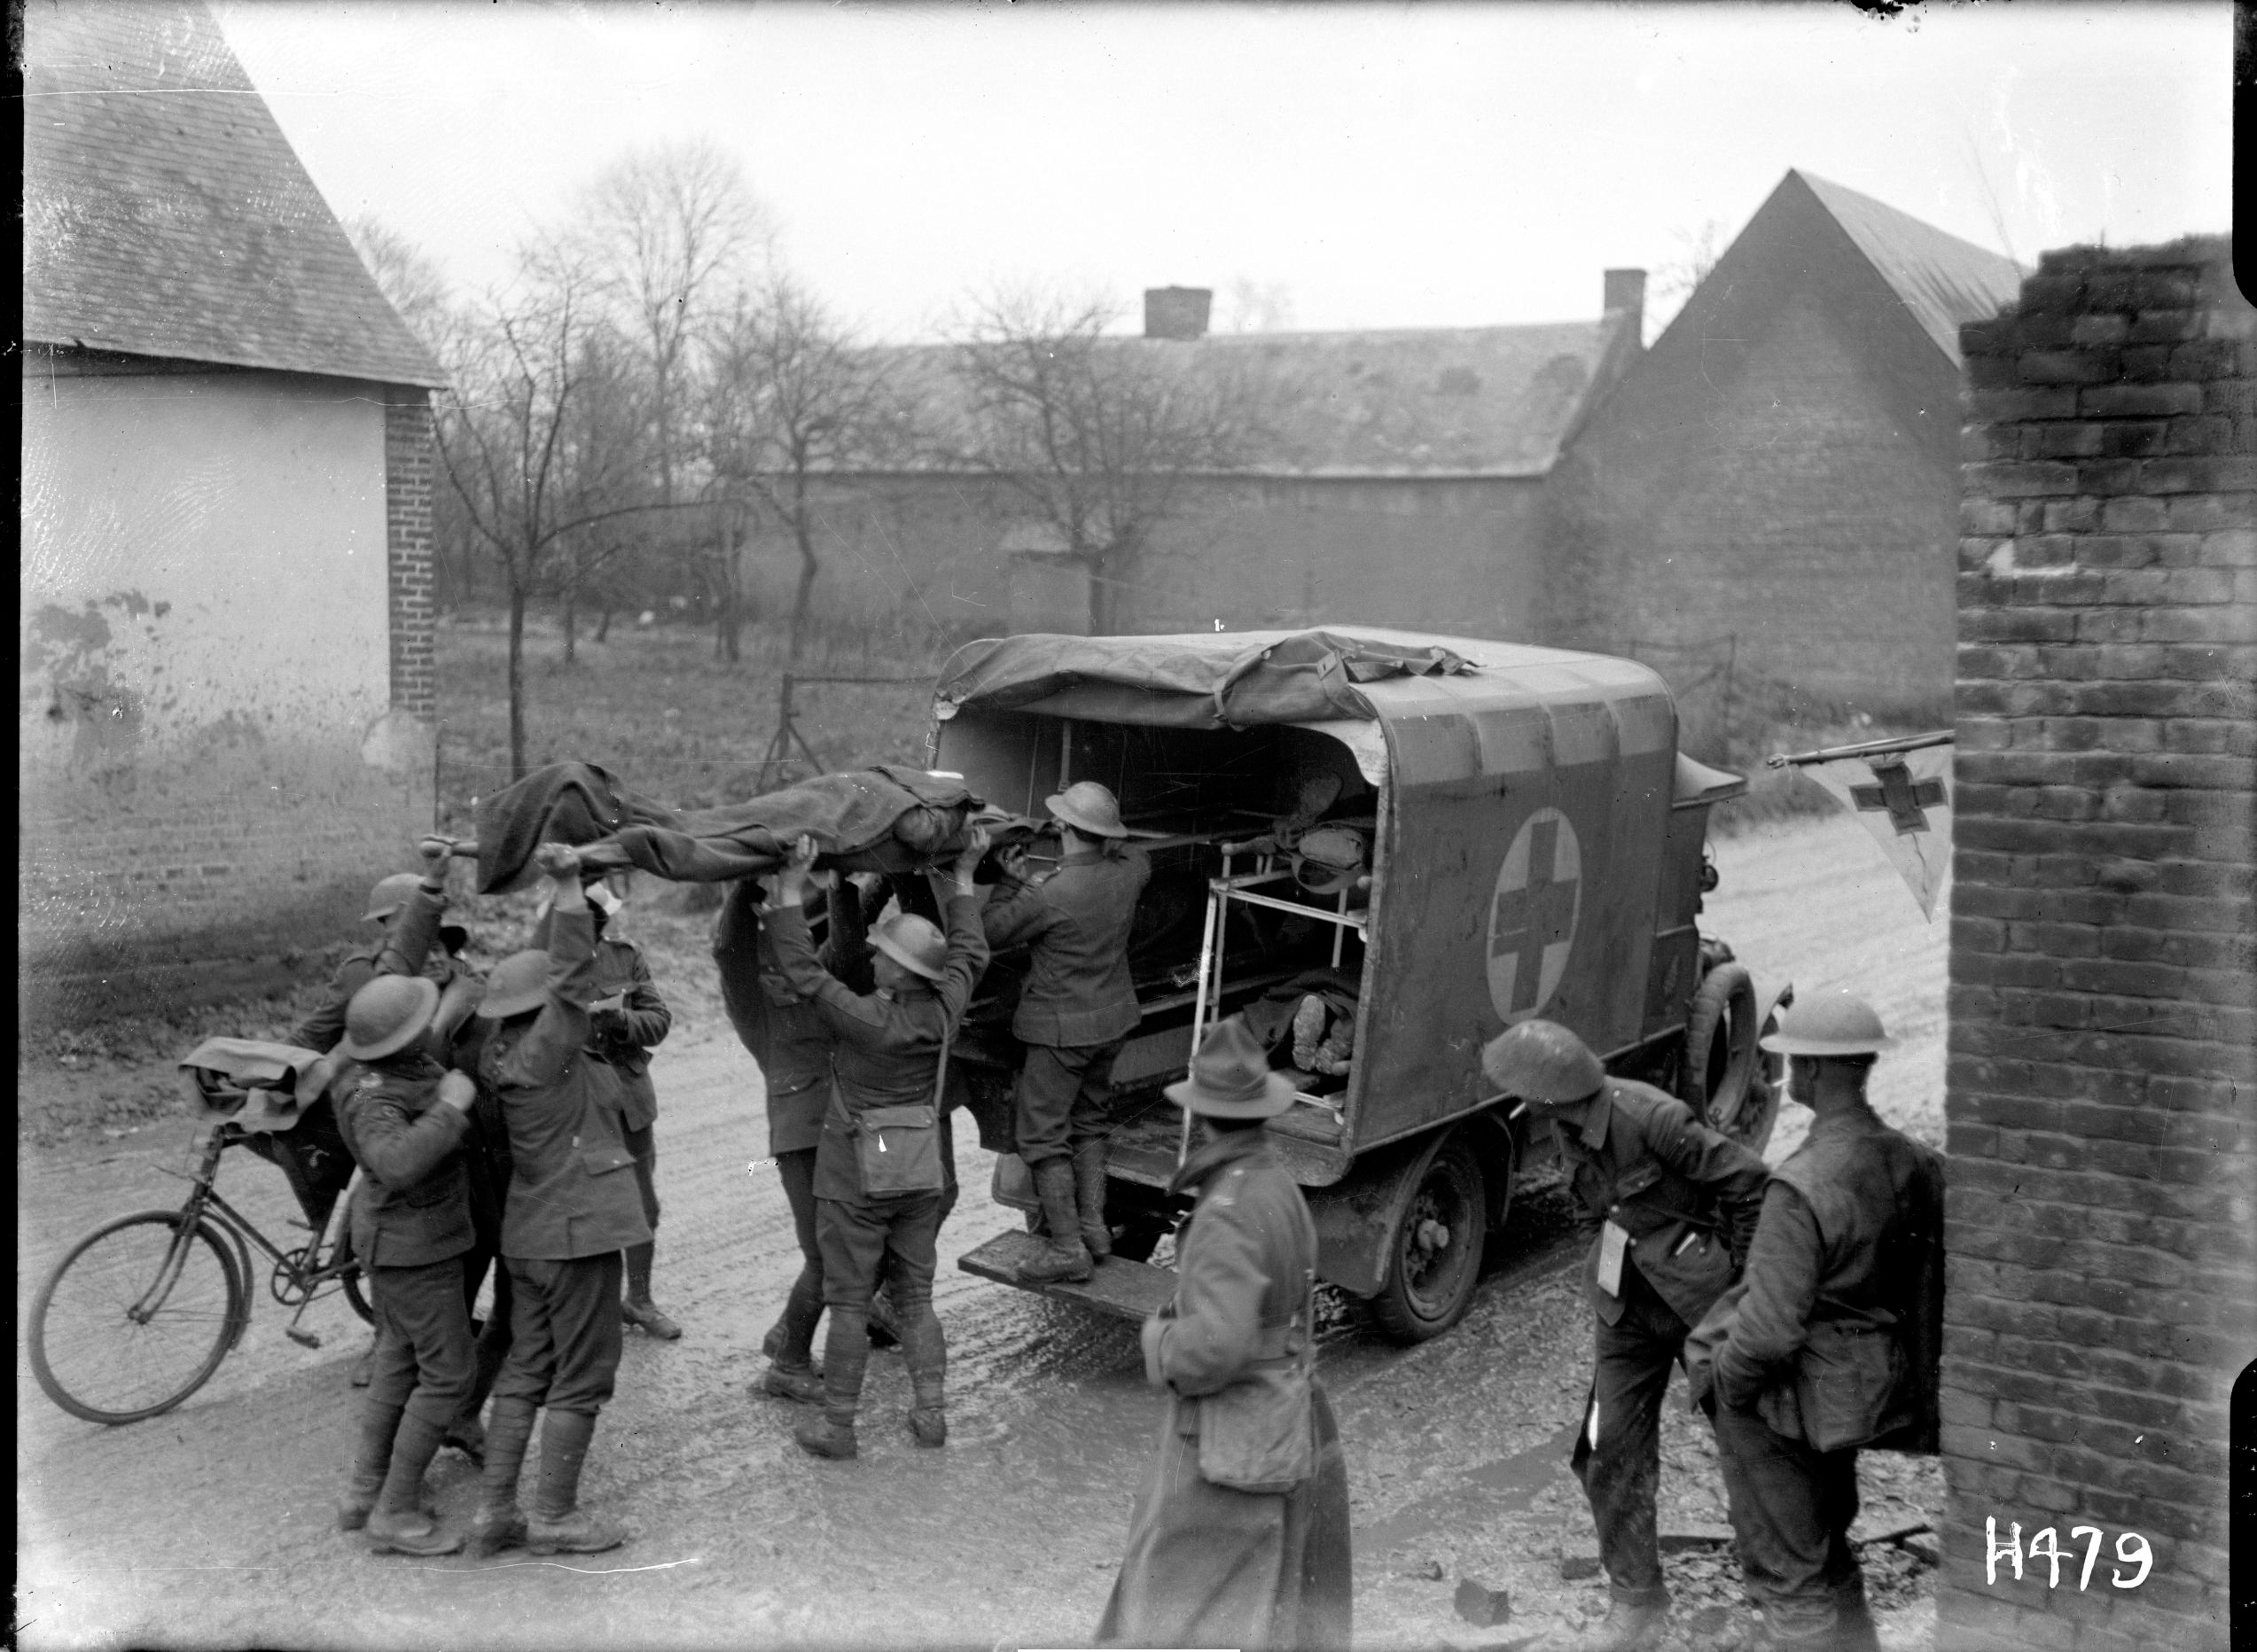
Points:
[[1834, 1342], [1671, 1205], [1078, 1009], [1240, 1534]]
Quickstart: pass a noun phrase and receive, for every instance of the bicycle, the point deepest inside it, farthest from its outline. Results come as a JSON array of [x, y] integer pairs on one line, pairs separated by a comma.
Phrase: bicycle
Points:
[[139, 1313]]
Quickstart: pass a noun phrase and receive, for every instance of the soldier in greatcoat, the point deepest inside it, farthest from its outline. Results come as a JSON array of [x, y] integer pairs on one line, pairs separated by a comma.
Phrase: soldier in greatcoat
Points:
[[885, 1097], [1240, 1536], [1834, 1341], [405, 1117], [1078, 1007], [792, 1041], [572, 1208], [1671, 1206]]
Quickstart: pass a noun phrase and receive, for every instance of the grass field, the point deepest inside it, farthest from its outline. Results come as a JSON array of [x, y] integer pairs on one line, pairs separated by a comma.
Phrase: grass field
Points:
[[655, 708]]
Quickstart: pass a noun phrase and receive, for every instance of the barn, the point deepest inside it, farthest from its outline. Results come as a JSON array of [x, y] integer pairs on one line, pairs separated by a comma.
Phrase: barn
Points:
[[1775, 482], [1394, 477], [226, 705]]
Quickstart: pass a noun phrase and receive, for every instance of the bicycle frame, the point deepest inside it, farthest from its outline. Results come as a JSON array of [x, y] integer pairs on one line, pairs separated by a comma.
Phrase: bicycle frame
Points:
[[205, 1199]]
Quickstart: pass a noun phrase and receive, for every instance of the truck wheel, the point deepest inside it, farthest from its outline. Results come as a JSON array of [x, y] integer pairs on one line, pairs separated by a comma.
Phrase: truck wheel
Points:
[[1716, 1077], [1436, 1257]]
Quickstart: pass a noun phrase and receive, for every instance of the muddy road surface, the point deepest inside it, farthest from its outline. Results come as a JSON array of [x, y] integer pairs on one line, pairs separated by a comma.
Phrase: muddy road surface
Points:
[[211, 1526]]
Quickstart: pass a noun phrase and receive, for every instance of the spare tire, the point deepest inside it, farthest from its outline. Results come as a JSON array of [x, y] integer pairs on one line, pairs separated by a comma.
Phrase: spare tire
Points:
[[1716, 1073]]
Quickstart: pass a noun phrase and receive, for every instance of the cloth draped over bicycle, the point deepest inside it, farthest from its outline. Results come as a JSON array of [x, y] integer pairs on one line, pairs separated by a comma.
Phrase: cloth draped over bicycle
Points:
[[886, 819]]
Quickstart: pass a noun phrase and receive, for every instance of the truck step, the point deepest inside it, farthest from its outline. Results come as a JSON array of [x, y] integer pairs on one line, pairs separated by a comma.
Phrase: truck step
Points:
[[1128, 1291]]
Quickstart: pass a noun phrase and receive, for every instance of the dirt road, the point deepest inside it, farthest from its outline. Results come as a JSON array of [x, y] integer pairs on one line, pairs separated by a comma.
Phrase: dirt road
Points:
[[210, 1526]]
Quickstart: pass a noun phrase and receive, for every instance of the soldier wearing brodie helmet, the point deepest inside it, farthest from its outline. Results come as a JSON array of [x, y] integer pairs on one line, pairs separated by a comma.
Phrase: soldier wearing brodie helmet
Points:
[[1671, 1207], [405, 1121], [1833, 1342]]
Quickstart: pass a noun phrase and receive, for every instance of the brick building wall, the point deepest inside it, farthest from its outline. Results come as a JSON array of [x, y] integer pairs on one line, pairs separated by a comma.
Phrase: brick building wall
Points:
[[1782, 503], [1451, 554], [409, 457], [2102, 1092]]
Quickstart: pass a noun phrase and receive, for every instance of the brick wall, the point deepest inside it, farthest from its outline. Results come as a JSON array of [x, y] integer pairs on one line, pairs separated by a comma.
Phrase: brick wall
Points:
[[408, 460], [2102, 1094], [1784, 503]]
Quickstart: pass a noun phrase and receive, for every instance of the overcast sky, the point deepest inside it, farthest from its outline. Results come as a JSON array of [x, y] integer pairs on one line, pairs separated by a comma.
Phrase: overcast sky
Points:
[[1373, 166]]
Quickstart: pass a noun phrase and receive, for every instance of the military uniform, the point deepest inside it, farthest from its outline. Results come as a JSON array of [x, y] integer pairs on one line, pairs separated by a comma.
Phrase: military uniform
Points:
[[316, 1159], [411, 1225], [887, 1053], [1832, 1347], [1684, 1200], [1079, 1004], [787, 1035], [623, 1040], [1259, 1557], [569, 1210]]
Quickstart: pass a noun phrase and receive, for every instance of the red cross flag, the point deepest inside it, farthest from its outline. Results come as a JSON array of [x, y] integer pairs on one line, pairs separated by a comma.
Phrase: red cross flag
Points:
[[1901, 791]]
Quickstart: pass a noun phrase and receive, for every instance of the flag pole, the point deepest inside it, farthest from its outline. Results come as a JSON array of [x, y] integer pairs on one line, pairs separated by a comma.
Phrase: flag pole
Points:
[[1870, 748]]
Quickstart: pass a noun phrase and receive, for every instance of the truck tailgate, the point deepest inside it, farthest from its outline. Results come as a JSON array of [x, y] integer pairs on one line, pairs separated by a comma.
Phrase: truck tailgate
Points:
[[1129, 1291]]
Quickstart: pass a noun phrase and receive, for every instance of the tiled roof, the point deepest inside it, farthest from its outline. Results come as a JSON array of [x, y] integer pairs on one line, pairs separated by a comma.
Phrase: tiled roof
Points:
[[1487, 401], [165, 214], [1943, 280]]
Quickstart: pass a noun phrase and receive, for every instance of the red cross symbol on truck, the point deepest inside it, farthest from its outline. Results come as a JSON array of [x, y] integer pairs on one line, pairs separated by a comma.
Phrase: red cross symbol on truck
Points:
[[1906, 799], [1541, 914]]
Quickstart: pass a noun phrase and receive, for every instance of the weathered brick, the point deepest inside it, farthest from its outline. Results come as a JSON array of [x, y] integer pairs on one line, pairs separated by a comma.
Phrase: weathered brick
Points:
[[2151, 400], [2019, 480], [2220, 473], [2206, 513], [2070, 366]]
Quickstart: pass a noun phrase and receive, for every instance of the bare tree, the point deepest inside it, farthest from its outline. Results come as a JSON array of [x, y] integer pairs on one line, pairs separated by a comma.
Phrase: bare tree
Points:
[[409, 278], [1251, 305], [665, 223], [791, 396], [1674, 282], [1098, 437], [526, 472], [607, 435]]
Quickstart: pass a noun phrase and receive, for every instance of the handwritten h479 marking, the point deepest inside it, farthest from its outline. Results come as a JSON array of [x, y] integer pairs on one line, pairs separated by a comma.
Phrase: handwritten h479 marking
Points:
[[2131, 1549]]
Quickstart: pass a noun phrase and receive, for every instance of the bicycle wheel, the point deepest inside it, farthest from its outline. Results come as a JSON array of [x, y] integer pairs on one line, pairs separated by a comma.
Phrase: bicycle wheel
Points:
[[355, 1291], [136, 1318]]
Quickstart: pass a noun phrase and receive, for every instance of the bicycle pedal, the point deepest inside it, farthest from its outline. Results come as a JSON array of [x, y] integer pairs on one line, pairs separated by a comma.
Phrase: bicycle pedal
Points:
[[304, 1339]]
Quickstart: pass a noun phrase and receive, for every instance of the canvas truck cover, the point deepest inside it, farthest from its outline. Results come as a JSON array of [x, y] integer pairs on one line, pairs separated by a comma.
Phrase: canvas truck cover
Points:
[[1528, 793]]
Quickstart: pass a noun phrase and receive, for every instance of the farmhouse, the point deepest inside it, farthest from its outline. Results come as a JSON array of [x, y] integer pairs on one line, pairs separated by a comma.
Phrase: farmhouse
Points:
[[1777, 480], [226, 716], [1394, 477]]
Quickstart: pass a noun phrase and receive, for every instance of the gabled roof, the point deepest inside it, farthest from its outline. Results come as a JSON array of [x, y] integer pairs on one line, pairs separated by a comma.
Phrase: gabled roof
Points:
[[165, 215], [1464, 401], [1944, 281]]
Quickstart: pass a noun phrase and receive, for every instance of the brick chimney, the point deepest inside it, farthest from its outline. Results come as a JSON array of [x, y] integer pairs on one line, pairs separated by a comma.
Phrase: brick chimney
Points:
[[1182, 312], [1626, 291]]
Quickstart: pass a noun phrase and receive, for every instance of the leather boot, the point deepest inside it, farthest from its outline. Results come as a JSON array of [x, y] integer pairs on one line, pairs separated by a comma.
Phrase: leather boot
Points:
[[804, 1385], [1089, 1195], [371, 1461], [498, 1524], [1627, 1628], [791, 1340], [399, 1522], [1064, 1256], [927, 1350], [556, 1521], [638, 1310], [847, 1357]]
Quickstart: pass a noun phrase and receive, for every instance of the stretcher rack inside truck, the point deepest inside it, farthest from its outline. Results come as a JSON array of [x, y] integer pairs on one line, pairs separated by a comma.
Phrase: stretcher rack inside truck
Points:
[[1382, 848]]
